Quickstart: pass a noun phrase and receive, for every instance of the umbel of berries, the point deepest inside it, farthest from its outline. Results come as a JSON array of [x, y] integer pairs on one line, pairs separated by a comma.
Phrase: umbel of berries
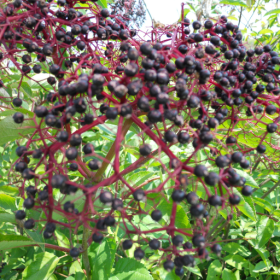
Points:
[[125, 134]]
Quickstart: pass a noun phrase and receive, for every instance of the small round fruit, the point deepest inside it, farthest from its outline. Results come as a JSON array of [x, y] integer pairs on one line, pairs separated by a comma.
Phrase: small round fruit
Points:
[[234, 199], [97, 237], [127, 244], [29, 224], [177, 240], [145, 150], [139, 195], [139, 254], [168, 265], [28, 203], [197, 210], [106, 197], [154, 244], [94, 164], [18, 117], [20, 215], [261, 149], [198, 240], [74, 252], [216, 248], [17, 102], [178, 195], [247, 190], [200, 170], [179, 271], [156, 215]]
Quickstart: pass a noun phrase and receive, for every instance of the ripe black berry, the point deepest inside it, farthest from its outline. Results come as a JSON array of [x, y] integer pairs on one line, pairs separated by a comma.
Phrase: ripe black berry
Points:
[[179, 271], [29, 224], [168, 265], [198, 240], [20, 215], [88, 149], [17, 102], [271, 128], [139, 254], [247, 190], [74, 252], [234, 199], [117, 204], [20, 166], [192, 198], [139, 195], [97, 237], [43, 195], [178, 195], [261, 149], [127, 244], [187, 259], [197, 210], [177, 240], [215, 200], [62, 136], [216, 248], [28, 203], [58, 181], [156, 215], [200, 171], [154, 244], [18, 117], [94, 164]]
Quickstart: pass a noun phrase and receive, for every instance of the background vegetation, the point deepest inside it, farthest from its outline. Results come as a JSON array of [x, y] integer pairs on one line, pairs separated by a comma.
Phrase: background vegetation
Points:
[[251, 247]]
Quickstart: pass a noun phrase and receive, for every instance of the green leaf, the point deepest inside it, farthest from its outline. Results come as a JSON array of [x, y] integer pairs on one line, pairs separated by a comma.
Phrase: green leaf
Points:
[[266, 31], [194, 270], [7, 218], [130, 269], [102, 3], [261, 267], [7, 202], [182, 220], [15, 131], [265, 228], [274, 11], [234, 3], [42, 267], [76, 271], [249, 179], [245, 207], [37, 237], [9, 190], [162, 274], [214, 270], [235, 248], [264, 204], [12, 241], [62, 239], [235, 261], [102, 257], [228, 275]]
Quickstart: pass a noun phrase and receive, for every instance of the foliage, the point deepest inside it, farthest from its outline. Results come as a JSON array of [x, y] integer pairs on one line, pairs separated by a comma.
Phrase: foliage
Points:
[[251, 240]]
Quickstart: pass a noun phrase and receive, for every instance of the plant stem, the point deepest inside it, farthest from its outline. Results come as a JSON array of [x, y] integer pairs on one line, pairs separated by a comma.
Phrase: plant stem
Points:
[[50, 246], [271, 190], [214, 228], [86, 234], [111, 153]]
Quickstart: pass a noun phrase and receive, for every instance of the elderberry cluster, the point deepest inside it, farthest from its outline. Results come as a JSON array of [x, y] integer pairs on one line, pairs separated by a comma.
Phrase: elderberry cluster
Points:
[[195, 86]]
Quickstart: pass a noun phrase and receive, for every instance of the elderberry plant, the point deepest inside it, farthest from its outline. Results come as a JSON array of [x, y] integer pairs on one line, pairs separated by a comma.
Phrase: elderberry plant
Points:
[[147, 137]]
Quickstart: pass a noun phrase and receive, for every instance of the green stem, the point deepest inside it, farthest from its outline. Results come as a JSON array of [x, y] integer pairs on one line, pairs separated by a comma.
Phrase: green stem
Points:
[[271, 190], [86, 234], [214, 228], [98, 175]]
